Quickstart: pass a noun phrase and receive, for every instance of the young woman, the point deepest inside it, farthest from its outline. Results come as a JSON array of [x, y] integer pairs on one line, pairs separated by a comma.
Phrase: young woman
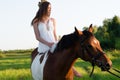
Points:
[[45, 28]]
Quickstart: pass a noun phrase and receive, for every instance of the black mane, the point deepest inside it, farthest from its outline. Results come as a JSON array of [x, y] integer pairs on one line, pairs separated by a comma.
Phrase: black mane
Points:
[[66, 42], [69, 40], [87, 33]]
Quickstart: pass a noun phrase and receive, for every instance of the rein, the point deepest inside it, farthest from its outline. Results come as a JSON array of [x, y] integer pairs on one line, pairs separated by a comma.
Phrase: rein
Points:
[[116, 70], [114, 73], [107, 71], [92, 70], [93, 64], [95, 58]]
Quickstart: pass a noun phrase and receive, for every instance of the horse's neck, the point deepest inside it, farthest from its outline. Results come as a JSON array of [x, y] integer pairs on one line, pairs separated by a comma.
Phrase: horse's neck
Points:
[[64, 55], [65, 60], [69, 56], [69, 60]]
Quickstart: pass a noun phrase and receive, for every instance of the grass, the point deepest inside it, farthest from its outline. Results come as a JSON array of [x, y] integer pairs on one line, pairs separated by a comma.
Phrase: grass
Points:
[[16, 66], [15, 74]]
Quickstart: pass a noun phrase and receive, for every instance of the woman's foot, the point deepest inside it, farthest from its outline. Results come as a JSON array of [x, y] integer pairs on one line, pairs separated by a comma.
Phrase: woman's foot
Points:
[[76, 73]]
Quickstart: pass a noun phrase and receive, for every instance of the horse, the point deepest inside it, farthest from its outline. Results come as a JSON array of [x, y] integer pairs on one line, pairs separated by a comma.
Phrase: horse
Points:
[[57, 65]]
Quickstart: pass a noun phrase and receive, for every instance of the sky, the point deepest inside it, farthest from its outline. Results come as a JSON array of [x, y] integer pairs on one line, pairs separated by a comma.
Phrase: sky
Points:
[[16, 15]]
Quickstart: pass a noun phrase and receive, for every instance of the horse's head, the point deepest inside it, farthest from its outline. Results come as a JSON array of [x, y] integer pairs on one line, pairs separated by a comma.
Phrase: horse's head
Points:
[[90, 49]]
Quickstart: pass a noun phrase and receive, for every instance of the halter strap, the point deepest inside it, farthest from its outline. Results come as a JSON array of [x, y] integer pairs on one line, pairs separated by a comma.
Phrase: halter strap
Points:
[[94, 58]]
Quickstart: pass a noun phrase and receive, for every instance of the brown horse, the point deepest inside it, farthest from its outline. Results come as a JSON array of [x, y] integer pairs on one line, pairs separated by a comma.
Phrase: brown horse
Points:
[[58, 65]]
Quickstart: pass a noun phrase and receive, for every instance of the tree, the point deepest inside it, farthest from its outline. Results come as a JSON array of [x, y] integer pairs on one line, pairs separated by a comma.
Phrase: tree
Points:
[[108, 32], [115, 26]]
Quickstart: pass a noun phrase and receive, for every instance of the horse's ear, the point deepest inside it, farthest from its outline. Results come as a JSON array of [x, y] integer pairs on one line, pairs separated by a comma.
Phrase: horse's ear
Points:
[[90, 28], [76, 29], [78, 32]]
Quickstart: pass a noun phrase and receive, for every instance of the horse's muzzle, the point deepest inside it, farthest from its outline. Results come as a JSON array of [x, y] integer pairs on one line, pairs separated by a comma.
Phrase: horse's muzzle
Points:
[[105, 67]]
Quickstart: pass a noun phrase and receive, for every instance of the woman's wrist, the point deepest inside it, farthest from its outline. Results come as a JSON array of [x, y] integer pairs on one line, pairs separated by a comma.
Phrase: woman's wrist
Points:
[[50, 44]]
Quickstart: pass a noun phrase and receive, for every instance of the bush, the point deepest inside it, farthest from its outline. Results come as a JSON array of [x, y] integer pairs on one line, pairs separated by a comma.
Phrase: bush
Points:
[[107, 44]]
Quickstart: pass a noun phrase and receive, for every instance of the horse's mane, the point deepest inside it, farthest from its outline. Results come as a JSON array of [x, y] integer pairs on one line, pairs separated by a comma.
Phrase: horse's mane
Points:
[[66, 42], [87, 33], [69, 40]]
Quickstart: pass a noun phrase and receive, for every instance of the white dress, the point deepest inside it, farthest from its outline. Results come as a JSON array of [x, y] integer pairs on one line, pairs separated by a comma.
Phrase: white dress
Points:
[[46, 32]]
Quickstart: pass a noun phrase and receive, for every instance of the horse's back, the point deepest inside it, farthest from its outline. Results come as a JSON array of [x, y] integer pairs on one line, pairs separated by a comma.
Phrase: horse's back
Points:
[[33, 54]]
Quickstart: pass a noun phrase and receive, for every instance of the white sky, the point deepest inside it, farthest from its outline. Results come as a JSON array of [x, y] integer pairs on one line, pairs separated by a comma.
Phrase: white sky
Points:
[[16, 15]]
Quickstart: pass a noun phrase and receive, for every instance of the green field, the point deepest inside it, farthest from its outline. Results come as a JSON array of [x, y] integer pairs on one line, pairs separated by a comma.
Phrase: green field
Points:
[[15, 65]]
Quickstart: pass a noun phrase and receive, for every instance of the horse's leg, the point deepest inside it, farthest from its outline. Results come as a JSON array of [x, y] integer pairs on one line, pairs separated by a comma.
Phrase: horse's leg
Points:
[[34, 53], [70, 75]]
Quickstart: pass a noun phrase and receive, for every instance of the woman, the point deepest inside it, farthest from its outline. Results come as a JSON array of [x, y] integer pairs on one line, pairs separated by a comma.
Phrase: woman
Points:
[[45, 28]]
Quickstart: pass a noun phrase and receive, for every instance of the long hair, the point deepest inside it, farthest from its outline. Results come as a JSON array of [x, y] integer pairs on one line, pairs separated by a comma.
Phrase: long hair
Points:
[[41, 11]]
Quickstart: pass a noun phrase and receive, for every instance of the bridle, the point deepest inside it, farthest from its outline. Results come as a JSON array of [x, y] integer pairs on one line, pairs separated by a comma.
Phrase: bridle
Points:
[[94, 59]]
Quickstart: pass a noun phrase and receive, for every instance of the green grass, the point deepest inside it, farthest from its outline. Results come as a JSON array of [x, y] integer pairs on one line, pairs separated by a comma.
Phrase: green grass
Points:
[[16, 66]]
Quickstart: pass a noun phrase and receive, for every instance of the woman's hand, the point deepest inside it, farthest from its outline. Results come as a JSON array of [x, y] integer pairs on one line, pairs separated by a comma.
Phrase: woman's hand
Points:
[[50, 44], [52, 49]]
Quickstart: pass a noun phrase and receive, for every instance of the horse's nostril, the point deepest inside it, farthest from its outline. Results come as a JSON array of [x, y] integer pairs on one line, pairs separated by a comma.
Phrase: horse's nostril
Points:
[[107, 65]]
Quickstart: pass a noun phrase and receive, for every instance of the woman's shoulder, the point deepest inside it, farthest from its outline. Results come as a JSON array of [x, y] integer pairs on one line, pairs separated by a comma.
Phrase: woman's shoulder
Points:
[[52, 19]]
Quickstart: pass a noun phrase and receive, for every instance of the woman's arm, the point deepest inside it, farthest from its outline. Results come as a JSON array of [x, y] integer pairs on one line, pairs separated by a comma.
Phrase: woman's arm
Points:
[[37, 35], [54, 31]]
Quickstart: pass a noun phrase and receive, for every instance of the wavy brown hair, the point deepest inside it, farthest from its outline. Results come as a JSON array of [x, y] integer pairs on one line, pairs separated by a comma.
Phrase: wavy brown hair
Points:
[[41, 11]]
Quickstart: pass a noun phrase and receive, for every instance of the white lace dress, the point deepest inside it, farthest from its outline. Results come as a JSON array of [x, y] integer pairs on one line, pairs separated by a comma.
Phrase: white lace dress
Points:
[[46, 32]]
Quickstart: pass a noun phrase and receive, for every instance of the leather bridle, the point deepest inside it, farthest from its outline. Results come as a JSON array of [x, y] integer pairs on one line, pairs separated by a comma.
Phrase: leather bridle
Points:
[[94, 59]]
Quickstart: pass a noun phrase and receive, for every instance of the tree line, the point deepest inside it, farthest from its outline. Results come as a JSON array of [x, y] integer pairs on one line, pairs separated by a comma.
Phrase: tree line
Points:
[[109, 33]]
